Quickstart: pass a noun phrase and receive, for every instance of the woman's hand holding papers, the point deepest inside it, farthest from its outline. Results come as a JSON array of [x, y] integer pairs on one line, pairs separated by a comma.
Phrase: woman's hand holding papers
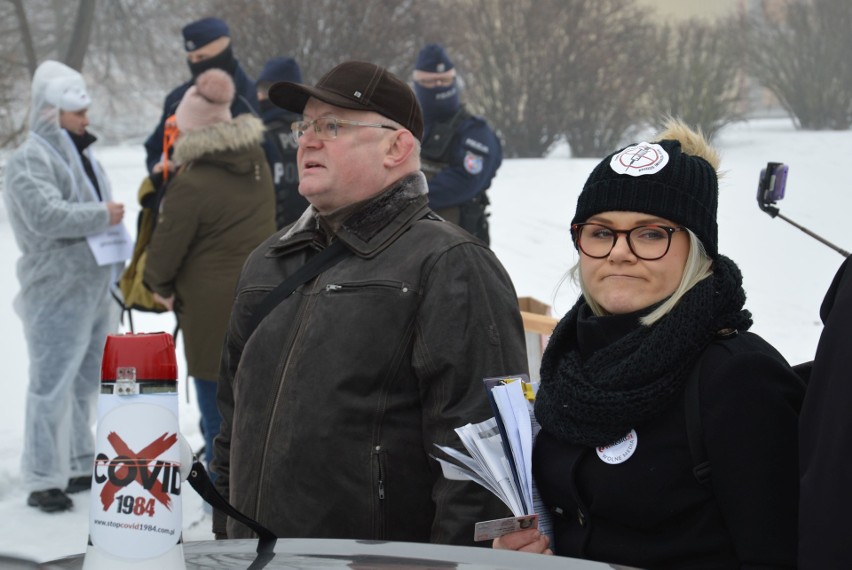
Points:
[[530, 540]]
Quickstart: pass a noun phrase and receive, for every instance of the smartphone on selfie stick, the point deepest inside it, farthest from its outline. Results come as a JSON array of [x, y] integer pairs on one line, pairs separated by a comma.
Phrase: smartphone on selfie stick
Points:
[[770, 189]]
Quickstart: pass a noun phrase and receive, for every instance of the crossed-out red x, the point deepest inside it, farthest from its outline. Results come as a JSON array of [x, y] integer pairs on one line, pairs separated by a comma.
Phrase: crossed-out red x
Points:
[[139, 461]]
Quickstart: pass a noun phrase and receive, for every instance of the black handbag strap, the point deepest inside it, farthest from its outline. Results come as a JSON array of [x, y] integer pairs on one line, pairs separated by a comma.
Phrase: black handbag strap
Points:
[[200, 481], [694, 429], [315, 265], [198, 478]]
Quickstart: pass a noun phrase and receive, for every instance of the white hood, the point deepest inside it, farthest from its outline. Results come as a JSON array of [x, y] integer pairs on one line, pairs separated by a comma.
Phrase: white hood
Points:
[[55, 87]]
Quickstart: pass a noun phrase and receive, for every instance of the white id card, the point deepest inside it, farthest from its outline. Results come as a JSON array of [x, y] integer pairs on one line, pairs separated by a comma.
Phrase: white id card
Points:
[[488, 530]]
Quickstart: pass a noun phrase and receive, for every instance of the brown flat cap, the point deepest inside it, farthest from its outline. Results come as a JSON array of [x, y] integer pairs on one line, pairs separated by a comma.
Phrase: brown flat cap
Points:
[[360, 86]]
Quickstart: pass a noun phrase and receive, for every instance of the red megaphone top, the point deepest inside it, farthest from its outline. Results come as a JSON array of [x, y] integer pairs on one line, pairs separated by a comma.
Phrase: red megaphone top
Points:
[[151, 354]]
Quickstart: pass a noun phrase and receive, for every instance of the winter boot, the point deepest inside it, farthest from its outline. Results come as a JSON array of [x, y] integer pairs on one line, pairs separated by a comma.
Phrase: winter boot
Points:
[[50, 500], [77, 484]]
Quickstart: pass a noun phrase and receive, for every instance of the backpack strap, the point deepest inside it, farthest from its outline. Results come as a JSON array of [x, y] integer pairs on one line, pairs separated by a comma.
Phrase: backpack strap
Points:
[[320, 262], [315, 265], [692, 408], [170, 135], [694, 429]]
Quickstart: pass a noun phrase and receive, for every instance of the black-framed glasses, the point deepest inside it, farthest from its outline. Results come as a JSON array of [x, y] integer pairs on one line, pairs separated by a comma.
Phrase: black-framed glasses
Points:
[[327, 128], [648, 242]]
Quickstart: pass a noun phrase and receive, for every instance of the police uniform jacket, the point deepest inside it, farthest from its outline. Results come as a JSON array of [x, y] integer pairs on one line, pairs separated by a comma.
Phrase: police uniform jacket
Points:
[[281, 154], [466, 168]]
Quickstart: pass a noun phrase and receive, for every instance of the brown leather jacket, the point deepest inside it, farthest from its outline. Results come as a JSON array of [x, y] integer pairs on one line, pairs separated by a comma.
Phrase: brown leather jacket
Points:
[[331, 408]]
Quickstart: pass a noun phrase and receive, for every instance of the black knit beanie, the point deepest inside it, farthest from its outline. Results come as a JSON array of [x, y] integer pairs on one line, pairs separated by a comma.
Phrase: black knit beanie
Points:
[[656, 179]]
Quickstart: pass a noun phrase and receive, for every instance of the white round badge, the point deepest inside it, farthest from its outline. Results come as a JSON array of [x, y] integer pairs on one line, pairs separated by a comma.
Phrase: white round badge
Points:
[[640, 159], [620, 450]]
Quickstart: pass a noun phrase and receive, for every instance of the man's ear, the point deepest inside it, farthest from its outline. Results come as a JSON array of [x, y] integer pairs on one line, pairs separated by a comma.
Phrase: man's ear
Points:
[[401, 148]]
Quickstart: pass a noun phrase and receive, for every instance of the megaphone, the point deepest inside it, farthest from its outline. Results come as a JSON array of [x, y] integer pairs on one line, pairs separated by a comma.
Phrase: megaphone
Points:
[[135, 516]]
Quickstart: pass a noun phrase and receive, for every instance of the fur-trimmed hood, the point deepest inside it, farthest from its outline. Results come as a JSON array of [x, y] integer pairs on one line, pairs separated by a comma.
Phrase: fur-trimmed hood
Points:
[[241, 132]]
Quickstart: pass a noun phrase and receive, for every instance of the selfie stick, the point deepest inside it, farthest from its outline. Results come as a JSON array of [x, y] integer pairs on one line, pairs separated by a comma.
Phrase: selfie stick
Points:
[[774, 212]]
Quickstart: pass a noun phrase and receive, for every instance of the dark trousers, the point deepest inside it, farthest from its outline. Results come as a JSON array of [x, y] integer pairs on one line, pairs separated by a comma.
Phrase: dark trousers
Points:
[[211, 420]]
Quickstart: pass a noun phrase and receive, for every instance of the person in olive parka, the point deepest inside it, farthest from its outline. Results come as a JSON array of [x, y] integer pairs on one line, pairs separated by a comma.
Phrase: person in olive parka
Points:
[[217, 209]]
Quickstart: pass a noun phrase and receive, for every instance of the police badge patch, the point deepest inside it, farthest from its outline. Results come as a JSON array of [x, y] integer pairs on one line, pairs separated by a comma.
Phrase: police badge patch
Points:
[[472, 163]]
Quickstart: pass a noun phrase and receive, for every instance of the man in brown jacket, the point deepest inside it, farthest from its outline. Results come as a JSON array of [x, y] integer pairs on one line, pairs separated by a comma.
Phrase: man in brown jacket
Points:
[[332, 404]]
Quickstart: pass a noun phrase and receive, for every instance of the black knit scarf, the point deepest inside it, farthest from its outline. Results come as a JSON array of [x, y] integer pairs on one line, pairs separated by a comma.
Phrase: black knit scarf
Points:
[[632, 380]]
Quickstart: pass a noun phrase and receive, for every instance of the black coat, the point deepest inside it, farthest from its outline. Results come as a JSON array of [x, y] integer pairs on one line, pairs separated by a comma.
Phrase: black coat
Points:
[[650, 511], [825, 438], [331, 408]]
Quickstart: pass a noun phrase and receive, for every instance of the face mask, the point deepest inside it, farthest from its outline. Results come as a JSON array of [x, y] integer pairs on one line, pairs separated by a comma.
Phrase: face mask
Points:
[[224, 61], [438, 103], [266, 105]]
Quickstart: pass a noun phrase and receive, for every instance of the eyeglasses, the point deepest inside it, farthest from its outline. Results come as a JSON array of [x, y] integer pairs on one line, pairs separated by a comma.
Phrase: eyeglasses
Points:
[[327, 128], [435, 82], [646, 242]]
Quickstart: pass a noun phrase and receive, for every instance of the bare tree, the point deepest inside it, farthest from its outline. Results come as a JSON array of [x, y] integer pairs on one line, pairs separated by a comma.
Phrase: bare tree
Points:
[[135, 57], [508, 54], [26, 35], [41, 30], [801, 54], [544, 70], [321, 33], [607, 75], [78, 42], [697, 74]]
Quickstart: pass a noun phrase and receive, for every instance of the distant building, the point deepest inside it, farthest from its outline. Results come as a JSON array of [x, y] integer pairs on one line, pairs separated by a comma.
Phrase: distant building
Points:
[[674, 10]]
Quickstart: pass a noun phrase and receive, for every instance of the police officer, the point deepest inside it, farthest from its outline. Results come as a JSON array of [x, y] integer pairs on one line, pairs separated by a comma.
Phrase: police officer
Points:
[[281, 154], [208, 45], [460, 153]]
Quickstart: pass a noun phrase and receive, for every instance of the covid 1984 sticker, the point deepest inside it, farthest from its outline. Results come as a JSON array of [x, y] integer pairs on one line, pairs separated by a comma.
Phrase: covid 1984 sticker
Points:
[[135, 509], [620, 450], [640, 159]]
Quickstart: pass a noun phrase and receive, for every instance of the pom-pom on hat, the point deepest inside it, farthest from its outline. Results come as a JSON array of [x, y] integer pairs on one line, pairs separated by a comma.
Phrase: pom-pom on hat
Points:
[[674, 178], [434, 59], [207, 102], [360, 86], [280, 69], [201, 32]]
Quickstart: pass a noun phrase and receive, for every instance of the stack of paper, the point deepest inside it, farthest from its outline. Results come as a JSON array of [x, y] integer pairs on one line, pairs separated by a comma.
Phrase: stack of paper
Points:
[[500, 449]]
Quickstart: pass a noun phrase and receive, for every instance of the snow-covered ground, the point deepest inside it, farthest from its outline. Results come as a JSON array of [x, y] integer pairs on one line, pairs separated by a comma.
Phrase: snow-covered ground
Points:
[[786, 274]]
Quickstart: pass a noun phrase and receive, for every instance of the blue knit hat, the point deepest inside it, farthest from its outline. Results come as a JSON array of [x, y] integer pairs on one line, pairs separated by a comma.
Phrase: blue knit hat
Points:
[[434, 59], [280, 69], [201, 32]]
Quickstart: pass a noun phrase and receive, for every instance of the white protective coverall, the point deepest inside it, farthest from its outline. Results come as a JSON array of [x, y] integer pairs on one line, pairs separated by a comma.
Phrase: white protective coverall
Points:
[[64, 301]]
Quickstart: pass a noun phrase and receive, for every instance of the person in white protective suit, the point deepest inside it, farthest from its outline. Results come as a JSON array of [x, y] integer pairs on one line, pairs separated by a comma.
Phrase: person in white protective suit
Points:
[[60, 207]]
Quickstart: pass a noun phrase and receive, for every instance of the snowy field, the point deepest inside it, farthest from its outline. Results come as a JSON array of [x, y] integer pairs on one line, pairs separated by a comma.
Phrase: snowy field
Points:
[[786, 274]]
